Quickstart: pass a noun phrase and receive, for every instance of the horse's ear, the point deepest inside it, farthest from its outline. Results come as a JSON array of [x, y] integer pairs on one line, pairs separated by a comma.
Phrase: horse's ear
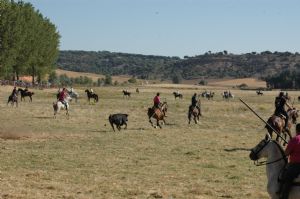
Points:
[[267, 137]]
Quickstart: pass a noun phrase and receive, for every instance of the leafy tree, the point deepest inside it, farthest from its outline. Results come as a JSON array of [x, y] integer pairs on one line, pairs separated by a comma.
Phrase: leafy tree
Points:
[[176, 79], [132, 80], [108, 80]]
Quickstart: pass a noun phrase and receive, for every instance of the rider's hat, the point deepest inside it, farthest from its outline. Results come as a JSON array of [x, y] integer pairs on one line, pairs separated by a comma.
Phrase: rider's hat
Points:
[[157, 93], [281, 93]]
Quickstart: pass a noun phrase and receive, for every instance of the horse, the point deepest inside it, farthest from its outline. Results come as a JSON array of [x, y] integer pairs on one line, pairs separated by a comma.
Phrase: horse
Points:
[[158, 114], [74, 95], [259, 92], [91, 95], [126, 93], [195, 113], [13, 99], [25, 93], [179, 95], [275, 163], [227, 95], [209, 95], [278, 123], [57, 106]]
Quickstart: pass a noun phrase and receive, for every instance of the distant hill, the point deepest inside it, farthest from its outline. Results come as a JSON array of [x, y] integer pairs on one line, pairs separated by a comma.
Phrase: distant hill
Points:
[[206, 66]]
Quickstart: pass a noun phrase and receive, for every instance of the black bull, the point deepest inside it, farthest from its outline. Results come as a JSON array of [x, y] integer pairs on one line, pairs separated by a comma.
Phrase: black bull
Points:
[[119, 120]]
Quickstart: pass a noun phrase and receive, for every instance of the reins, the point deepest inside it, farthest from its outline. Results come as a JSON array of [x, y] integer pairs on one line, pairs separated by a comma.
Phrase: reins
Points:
[[284, 157]]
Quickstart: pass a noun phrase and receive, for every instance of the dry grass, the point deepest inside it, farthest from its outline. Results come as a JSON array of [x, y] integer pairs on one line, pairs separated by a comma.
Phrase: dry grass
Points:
[[82, 157]]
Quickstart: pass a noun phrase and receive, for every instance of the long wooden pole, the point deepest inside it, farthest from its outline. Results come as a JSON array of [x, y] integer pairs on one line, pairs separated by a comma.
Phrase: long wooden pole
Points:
[[263, 120]]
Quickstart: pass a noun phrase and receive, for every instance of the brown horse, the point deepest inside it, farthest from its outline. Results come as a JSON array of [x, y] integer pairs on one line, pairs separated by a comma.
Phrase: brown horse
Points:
[[158, 114], [278, 123], [195, 113]]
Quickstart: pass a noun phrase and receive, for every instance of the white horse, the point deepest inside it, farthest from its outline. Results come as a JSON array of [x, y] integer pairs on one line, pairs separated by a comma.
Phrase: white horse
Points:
[[57, 106], [275, 163]]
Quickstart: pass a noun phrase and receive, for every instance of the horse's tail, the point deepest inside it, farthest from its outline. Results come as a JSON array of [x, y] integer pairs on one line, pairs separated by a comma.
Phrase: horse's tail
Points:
[[55, 106]]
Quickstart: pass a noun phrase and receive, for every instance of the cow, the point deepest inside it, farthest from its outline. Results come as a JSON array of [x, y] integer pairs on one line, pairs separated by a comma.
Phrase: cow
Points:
[[118, 119]]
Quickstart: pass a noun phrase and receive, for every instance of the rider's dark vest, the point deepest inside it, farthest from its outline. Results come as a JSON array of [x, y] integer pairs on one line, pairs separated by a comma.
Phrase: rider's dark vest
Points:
[[279, 103]]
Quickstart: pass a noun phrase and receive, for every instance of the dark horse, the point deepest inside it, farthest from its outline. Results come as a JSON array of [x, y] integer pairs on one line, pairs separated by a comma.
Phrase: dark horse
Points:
[[158, 114], [278, 123], [91, 95], [126, 93], [25, 93], [177, 95], [13, 99], [195, 113], [259, 92]]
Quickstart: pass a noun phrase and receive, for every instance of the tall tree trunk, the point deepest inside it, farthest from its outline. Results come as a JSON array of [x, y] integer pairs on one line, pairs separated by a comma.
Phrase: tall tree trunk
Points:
[[17, 74]]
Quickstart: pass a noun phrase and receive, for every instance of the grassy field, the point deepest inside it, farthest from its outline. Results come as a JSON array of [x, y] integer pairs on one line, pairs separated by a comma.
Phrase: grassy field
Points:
[[82, 157]]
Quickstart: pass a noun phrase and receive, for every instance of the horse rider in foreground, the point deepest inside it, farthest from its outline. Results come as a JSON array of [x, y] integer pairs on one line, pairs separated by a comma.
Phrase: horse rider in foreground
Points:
[[280, 101], [292, 169], [62, 96], [195, 104]]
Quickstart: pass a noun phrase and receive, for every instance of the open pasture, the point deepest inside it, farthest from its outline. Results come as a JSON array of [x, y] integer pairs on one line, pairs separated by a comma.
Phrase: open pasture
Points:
[[82, 157]]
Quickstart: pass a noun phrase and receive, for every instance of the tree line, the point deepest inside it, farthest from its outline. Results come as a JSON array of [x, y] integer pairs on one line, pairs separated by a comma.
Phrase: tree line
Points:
[[263, 65], [29, 42]]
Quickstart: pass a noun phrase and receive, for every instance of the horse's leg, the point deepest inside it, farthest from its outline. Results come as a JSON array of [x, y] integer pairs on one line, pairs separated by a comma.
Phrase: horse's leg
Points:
[[30, 98], [125, 125], [157, 123], [189, 116], [195, 118]]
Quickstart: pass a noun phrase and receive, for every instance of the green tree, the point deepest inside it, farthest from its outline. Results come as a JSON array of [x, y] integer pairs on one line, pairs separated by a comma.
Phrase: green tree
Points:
[[108, 80]]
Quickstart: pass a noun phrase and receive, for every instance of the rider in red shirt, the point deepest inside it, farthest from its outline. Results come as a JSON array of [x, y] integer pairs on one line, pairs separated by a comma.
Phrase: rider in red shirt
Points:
[[293, 167], [156, 101], [62, 96]]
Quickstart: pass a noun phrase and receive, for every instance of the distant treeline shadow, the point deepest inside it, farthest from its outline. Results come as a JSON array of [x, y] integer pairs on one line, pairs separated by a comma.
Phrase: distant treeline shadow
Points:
[[237, 149]]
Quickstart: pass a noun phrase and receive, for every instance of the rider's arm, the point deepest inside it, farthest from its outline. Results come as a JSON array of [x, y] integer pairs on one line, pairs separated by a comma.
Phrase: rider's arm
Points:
[[289, 106]]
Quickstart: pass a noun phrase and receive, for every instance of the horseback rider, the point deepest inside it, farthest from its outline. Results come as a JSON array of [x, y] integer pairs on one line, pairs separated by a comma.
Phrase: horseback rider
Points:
[[292, 169], [156, 101], [62, 96], [14, 92], [280, 101], [91, 91], [195, 104], [26, 89], [157, 104]]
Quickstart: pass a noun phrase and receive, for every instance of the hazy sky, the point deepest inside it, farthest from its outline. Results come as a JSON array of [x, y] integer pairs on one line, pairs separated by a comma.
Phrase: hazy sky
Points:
[[175, 27]]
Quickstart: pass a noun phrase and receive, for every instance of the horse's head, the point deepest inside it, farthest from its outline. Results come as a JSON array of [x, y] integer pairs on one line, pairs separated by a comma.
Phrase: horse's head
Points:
[[260, 150], [87, 91]]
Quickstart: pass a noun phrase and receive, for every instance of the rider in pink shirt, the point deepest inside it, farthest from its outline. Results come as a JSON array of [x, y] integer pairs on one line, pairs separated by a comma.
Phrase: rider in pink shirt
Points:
[[292, 169], [62, 96], [156, 101]]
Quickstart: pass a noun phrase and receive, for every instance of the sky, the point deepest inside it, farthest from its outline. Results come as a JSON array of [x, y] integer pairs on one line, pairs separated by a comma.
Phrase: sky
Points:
[[175, 27]]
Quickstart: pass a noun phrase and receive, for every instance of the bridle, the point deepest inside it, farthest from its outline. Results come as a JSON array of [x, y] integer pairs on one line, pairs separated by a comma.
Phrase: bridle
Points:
[[261, 163]]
